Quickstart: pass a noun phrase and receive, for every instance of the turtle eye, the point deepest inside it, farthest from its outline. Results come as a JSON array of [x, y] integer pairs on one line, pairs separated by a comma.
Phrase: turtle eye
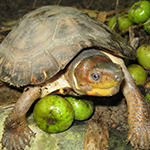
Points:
[[95, 76]]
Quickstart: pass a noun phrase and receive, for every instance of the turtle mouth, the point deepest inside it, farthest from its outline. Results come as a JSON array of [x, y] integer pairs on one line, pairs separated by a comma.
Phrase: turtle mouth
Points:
[[108, 88], [104, 92]]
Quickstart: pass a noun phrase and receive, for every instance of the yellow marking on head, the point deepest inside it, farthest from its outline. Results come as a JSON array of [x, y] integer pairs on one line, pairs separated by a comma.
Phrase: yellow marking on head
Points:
[[74, 77], [102, 92], [75, 82], [44, 73], [104, 83]]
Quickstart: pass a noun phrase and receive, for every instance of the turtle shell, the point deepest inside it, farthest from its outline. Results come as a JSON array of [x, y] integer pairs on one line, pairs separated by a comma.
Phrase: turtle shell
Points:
[[47, 39]]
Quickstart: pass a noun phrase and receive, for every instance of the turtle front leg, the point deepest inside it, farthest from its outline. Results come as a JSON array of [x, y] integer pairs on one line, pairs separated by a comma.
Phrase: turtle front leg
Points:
[[138, 114], [17, 134], [138, 111]]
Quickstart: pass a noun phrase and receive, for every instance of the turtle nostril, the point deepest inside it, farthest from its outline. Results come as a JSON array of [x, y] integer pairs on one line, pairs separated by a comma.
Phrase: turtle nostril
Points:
[[118, 76]]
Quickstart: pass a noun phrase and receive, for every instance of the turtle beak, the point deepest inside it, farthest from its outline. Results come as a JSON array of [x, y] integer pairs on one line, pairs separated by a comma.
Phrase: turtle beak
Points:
[[109, 83], [108, 87]]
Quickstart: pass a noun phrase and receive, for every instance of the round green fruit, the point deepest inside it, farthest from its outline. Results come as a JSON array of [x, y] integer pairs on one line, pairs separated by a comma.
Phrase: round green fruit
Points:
[[143, 56], [123, 22], [139, 11], [83, 108], [53, 114], [138, 73]]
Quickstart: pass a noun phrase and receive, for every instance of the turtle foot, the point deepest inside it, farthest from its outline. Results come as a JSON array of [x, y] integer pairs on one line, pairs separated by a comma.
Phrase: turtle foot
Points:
[[16, 135], [139, 136]]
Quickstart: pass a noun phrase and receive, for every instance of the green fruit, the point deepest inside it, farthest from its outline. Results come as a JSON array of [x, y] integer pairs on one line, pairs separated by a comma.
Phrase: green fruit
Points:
[[147, 97], [138, 73], [83, 108], [143, 55], [123, 22], [53, 114], [139, 11], [147, 26]]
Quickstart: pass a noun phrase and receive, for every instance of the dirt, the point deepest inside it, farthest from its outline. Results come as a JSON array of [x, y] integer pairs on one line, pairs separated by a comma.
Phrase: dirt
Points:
[[8, 95], [15, 8]]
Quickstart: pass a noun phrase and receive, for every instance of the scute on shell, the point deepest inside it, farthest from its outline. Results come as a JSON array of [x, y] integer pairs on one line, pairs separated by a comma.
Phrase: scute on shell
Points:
[[47, 39]]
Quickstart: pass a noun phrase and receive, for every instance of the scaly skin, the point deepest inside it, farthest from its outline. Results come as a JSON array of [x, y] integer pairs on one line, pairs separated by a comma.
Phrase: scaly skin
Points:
[[138, 117], [17, 134], [138, 111]]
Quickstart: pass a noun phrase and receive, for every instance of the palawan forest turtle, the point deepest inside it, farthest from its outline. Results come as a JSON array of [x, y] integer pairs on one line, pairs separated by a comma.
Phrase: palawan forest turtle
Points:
[[56, 47]]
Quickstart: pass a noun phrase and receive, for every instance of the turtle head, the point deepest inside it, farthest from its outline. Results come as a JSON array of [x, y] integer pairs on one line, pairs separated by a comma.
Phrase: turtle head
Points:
[[96, 75]]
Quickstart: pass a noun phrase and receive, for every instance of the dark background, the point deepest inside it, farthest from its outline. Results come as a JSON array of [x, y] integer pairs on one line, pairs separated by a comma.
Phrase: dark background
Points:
[[14, 8]]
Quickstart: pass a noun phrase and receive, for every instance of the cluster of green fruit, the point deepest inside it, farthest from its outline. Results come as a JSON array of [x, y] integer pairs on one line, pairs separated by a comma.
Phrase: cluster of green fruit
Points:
[[139, 12], [54, 113], [138, 71]]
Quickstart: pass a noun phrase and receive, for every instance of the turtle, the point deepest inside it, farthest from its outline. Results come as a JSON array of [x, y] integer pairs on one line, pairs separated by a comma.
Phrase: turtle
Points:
[[56, 48]]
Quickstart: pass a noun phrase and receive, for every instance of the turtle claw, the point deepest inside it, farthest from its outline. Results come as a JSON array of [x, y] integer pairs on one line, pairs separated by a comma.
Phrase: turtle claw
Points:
[[139, 136], [16, 135]]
